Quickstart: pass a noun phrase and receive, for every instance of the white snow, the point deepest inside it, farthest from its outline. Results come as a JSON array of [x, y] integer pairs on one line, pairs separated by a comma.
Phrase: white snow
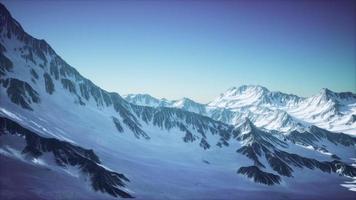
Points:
[[273, 110]]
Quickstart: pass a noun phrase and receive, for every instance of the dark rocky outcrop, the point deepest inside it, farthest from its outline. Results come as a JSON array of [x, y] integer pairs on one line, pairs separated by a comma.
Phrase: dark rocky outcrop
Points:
[[335, 166], [20, 92], [258, 143], [117, 124], [34, 74], [169, 118], [69, 85], [5, 63], [253, 152], [316, 134], [278, 165], [66, 153], [204, 144], [259, 176], [48, 83]]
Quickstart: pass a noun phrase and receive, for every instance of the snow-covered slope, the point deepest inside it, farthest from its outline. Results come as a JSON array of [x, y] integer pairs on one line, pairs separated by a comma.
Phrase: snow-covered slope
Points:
[[248, 95], [145, 100], [264, 108], [58, 127], [286, 112], [184, 103], [276, 110], [329, 110]]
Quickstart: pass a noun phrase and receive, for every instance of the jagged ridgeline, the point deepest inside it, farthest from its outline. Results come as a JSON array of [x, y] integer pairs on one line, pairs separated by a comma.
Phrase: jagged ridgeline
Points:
[[33, 76], [58, 75], [268, 109], [259, 144]]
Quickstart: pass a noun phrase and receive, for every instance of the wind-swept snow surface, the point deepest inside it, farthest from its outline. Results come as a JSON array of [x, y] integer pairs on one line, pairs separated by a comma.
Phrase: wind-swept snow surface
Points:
[[63, 137]]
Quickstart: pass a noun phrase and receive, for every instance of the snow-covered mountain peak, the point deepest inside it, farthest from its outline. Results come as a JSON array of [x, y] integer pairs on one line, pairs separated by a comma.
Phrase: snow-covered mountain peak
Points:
[[12, 30], [253, 95], [145, 100], [245, 89], [184, 102], [188, 105], [330, 100], [326, 95], [8, 21], [50, 114], [138, 96], [245, 125], [238, 97], [274, 110]]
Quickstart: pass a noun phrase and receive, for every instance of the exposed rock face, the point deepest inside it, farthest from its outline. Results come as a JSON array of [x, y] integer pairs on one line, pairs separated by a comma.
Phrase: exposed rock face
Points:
[[66, 154], [48, 83], [270, 110], [259, 176], [20, 92], [258, 144], [43, 79]]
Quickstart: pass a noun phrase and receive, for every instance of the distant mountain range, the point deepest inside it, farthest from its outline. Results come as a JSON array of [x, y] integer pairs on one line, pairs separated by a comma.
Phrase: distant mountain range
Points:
[[270, 110], [63, 137]]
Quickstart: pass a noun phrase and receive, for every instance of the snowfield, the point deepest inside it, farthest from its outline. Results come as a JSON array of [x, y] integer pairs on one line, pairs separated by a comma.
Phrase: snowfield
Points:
[[63, 137]]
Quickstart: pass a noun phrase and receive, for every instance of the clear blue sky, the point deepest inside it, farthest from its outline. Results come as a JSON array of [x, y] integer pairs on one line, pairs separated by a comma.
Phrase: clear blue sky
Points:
[[198, 49]]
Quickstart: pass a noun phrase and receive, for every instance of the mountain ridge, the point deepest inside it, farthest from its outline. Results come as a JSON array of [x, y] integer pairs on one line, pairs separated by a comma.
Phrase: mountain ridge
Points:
[[234, 104], [163, 151]]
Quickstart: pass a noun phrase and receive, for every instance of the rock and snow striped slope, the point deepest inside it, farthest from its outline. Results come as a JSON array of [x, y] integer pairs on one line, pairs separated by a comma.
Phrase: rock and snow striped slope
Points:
[[86, 141]]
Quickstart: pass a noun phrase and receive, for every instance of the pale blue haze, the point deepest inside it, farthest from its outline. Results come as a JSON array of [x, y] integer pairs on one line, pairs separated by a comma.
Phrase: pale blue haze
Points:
[[198, 49]]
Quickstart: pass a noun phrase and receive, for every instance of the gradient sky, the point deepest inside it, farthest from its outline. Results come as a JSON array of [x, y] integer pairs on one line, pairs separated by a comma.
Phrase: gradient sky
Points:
[[198, 49]]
